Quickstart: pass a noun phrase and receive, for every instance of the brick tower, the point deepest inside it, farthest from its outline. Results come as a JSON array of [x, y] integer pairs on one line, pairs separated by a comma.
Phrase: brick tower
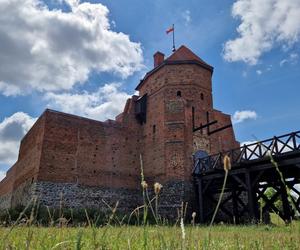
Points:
[[179, 96]]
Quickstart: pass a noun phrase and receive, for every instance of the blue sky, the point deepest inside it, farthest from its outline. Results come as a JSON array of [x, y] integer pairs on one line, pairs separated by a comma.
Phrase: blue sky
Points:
[[87, 57]]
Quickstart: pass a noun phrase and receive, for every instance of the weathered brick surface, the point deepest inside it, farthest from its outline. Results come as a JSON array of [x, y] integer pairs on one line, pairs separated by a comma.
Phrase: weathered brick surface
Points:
[[90, 160], [88, 152], [25, 170]]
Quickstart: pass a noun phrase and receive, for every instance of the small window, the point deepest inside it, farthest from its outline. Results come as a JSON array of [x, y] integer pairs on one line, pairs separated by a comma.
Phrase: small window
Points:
[[179, 93], [154, 129], [201, 96]]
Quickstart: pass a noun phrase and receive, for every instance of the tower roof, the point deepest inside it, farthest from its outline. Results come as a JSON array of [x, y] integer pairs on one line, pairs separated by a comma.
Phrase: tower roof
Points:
[[182, 55], [185, 54]]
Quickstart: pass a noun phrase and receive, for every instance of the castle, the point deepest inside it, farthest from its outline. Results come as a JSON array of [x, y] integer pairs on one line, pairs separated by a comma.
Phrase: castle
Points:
[[87, 161]]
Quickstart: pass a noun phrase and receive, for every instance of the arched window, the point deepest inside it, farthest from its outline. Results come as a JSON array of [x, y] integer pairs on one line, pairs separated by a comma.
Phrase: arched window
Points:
[[179, 93], [201, 96]]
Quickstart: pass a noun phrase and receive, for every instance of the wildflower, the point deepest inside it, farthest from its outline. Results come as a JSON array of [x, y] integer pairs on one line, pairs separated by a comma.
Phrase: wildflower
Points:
[[144, 184], [193, 218], [157, 188], [227, 163], [194, 215], [182, 229]]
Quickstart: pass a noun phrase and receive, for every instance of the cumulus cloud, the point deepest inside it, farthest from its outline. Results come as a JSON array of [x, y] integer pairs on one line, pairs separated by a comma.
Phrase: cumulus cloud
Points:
[[264, 24], [241, 116], [2, 175], [12, 130], [291, 59], [107, 102], [49, 50]]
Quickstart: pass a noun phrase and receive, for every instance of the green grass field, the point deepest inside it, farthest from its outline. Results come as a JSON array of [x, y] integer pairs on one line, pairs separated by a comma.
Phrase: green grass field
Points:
[[23, 232], [153, 237]]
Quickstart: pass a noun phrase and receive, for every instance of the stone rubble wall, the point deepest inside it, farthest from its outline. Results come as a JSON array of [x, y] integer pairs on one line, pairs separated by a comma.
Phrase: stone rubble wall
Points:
[[72, 195], [5, 201]]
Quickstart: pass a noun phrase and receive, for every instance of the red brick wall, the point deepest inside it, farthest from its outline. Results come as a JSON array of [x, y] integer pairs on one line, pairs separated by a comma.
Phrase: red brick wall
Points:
[[27, 166], [225, 138], [6, 185], [88, 152]]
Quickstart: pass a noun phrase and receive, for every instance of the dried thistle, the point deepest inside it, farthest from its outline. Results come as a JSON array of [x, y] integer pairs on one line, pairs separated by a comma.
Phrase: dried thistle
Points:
[[157, 188], [144, 185], [227, 163], [227, 167]]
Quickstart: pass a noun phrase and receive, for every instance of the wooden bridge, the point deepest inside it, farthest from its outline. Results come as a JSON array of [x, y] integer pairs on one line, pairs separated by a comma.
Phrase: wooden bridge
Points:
[[272, 163]]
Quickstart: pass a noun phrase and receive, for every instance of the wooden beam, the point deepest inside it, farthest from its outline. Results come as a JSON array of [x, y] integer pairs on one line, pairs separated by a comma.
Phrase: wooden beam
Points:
[[207, 185], [200, 201], [219, 129], [285, 204], [257, 177], [205, 126], [235, 208], [251, 205], [222, 208], [239, 181]]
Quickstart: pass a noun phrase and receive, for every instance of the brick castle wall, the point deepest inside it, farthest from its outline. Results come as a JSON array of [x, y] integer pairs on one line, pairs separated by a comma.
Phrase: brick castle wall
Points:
[[89, 161]]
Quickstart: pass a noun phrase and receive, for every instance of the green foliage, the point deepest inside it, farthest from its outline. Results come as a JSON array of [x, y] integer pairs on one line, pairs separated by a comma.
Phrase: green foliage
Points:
[[158, 237], [44, 216], [269, 193]]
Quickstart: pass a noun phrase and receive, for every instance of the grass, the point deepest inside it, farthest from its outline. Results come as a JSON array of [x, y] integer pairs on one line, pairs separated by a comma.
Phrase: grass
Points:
[[28, 234], [158, 237]]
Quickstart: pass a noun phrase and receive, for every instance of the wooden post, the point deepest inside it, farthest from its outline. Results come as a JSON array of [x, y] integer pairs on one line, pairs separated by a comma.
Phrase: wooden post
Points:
[[285, 203], [200, 200], [251, 205], [235, 209]]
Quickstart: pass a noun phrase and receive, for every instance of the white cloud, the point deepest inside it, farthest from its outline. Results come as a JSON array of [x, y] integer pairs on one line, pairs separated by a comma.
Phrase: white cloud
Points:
[[186, 15], [259, 72], [292, 59], [247, 142], [240, 116], [264, 25], [49, 50], [2, 175], [103, 104], [12, 130]]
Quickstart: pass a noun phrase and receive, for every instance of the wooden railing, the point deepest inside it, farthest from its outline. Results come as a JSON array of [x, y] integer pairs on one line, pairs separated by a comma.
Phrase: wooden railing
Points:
[[276, 146]]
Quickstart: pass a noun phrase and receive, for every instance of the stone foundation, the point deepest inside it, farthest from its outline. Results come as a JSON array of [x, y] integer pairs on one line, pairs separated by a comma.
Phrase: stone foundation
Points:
[[174, 195], [77, 196], [71, 195], [5, 201], [21, 196]]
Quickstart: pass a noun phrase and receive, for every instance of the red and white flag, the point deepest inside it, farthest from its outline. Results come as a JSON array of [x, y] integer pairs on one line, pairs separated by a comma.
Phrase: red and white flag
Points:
[[171, 29]]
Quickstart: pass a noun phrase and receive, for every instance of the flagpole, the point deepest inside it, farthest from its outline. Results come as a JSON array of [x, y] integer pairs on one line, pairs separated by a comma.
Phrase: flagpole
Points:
[[173, 39]]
